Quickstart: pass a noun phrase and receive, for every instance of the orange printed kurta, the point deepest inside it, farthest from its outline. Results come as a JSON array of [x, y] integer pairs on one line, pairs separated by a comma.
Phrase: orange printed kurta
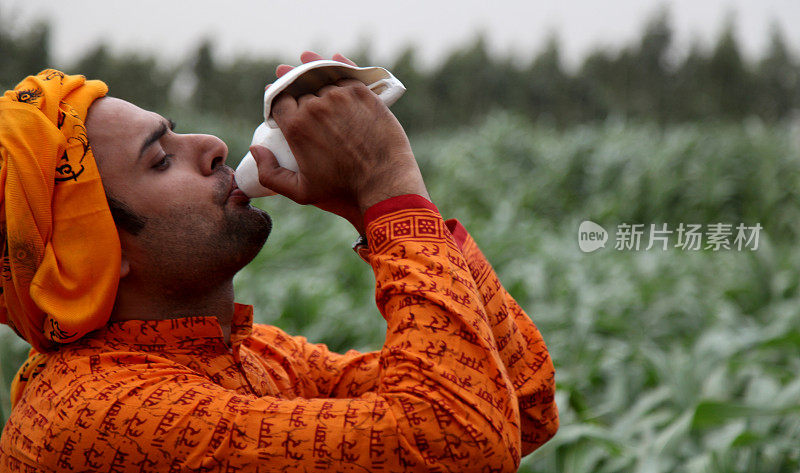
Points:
[[463, 382]]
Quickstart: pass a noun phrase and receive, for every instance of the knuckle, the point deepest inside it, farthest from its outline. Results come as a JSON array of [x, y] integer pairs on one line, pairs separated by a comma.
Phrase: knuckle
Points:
[[279, 104], [266, 173], [326, 90], [337, 95], [265, 179], [315, 107], [347, 82], [359, 90]]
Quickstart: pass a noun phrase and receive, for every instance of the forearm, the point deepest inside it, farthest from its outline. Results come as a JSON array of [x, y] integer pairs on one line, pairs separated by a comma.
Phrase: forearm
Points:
[[520, 344], [436, 322]]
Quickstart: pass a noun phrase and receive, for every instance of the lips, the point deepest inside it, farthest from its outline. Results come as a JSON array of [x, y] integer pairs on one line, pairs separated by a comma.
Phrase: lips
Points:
[[237, 194]]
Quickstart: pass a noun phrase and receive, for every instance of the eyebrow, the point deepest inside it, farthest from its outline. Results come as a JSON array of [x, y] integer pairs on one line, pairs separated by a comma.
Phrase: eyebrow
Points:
[[156, 135]]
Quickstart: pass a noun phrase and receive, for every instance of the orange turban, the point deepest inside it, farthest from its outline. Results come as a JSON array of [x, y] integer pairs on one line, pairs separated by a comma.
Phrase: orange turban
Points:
[[60, 248]]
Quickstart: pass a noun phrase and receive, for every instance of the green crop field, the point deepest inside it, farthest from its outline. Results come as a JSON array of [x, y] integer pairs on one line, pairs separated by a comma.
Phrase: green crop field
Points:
[[666, 360]]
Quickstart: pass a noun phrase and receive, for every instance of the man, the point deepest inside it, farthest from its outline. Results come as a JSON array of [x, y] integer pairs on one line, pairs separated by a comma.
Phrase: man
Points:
[[179, 378]]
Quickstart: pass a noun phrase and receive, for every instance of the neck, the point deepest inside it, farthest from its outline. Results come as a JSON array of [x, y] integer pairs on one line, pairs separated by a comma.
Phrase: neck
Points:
[[136, 303]]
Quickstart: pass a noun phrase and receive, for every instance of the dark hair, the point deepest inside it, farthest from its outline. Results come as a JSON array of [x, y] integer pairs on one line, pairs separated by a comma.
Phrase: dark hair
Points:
[[125, 218]]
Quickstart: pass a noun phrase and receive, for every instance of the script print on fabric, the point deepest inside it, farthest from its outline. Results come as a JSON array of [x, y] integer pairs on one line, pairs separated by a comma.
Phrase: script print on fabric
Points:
[[463, 382]]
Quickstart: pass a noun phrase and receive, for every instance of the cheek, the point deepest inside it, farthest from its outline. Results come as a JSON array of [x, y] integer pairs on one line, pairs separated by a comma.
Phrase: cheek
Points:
[[171, 193]]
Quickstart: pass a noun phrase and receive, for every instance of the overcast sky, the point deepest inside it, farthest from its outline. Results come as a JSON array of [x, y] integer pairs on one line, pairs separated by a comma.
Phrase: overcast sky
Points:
[[173, 28]]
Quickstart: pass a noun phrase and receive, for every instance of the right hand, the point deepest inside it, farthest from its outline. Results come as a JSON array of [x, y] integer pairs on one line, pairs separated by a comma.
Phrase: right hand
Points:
[[351, 151]]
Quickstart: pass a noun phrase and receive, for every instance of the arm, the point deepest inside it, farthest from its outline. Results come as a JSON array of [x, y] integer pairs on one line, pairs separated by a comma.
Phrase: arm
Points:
[[521, 346], [353, 157], [521, 343]]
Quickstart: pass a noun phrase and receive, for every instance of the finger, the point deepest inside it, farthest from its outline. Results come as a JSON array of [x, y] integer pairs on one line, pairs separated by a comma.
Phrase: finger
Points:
[[283, 106], [325, 89], [275, 177], [340, 58], [309, 56], [304, 99], [354, 84], [349, 82], [283, 69]]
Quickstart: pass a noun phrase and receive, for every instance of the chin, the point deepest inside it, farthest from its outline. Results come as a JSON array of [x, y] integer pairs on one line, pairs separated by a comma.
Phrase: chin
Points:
[[248, 233]]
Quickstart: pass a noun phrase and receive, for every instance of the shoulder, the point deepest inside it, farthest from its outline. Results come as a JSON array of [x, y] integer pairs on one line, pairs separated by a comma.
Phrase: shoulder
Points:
[[82, 397], [60, 404], [269, 339], [72, 376]]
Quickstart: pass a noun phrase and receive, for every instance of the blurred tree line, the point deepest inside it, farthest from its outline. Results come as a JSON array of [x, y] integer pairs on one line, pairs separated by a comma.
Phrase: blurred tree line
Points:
[[644, 80]]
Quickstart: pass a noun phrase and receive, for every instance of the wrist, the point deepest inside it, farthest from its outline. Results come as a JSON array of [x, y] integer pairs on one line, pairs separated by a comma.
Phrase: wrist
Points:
[[411, 183]]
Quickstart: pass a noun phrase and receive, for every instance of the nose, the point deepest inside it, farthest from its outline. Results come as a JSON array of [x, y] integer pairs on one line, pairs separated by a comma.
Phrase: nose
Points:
[[211, 152]]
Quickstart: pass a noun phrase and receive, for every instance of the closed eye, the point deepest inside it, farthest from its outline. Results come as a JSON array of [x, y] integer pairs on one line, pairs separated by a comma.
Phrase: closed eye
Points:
[[163, 163]]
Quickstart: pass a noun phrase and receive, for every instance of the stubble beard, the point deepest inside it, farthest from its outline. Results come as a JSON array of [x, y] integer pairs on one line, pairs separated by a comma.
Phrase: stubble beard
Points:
[[202, 259], [247, 229]]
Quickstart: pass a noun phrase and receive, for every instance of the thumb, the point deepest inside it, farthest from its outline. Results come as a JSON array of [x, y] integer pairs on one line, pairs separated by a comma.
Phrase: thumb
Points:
[[275, 177]]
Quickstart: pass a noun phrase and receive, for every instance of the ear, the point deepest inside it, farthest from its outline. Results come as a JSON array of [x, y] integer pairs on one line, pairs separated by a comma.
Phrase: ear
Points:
[[124, 267]]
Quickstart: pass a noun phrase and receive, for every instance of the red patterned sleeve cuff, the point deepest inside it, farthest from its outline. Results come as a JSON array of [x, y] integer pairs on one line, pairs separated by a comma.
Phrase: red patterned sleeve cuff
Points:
[[393, 204], [406, 217], [458, 231]]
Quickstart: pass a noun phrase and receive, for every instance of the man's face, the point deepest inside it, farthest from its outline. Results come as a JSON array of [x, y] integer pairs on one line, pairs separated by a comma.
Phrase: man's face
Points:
[[195, 231]]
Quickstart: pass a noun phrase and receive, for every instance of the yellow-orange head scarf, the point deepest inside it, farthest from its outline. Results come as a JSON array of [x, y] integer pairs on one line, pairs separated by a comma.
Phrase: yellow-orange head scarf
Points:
[[60, 248]]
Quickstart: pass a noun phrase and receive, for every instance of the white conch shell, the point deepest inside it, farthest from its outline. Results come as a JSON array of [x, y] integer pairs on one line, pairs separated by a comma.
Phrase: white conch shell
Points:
[[305, 79]]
